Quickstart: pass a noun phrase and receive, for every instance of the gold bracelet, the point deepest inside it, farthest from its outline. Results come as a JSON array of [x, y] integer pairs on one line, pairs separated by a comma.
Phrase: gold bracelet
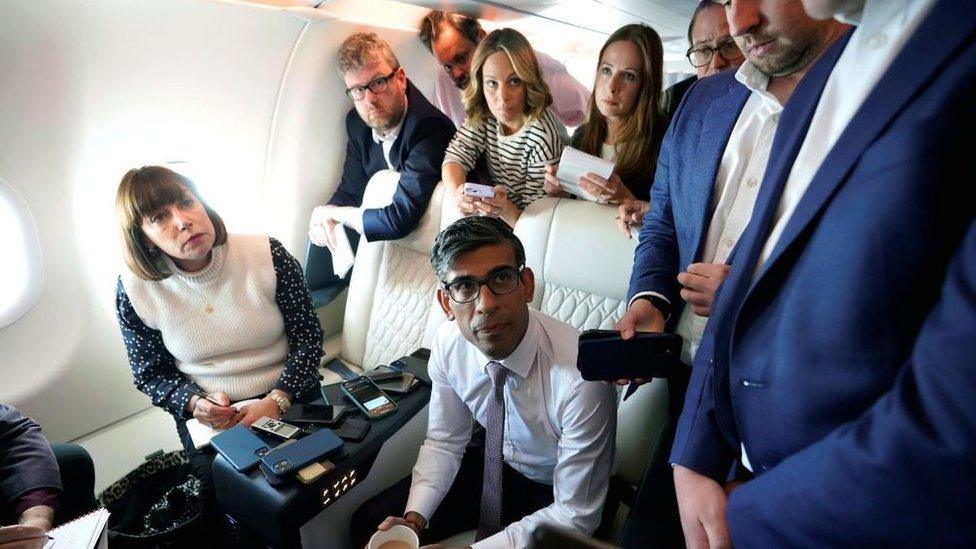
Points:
[[282, 401]]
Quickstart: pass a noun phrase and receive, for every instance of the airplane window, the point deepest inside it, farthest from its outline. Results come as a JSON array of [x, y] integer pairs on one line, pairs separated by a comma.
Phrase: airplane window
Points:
[[22, 273]]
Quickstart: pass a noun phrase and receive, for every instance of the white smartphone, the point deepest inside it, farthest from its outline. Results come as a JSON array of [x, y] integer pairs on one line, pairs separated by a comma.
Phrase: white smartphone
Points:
[[476, 189]]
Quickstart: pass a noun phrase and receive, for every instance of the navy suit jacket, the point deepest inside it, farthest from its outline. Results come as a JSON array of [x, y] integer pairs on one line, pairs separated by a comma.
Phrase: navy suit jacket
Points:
[[681, 197], [26, 460], [845, 365], [417, 154]]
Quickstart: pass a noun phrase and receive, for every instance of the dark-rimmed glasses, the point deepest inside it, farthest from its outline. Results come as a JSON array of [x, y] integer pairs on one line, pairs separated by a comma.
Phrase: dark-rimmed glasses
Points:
[[501, 282], [376, 85], [702, 55]]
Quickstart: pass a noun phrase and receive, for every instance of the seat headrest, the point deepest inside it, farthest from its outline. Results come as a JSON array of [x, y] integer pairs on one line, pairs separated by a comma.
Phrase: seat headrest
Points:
[[576, 244], [379, 194]]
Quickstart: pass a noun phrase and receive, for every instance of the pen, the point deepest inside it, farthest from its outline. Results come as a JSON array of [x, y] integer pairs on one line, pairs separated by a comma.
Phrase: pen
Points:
[[203, 395]]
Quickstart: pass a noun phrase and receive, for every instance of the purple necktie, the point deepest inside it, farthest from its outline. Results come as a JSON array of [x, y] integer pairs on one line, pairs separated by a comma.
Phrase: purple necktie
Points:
[[490, 520]]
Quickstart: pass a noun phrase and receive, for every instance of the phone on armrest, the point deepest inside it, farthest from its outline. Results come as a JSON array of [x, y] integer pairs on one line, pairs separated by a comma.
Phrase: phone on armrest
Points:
[[368, 397], [604, 356]]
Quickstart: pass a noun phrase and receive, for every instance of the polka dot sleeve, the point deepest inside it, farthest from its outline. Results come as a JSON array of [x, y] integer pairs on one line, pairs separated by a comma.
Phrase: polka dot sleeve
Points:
[[301, 324], [153, 367]]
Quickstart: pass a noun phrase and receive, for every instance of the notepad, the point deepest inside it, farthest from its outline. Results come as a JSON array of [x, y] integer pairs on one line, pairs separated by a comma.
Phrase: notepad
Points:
[[87, 532], [574, 164], [201, 434], [343, 256]]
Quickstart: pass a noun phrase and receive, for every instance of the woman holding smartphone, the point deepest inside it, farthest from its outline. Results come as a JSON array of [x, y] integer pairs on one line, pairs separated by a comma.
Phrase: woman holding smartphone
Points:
[[508, 125], [624, 124], [209, 318]]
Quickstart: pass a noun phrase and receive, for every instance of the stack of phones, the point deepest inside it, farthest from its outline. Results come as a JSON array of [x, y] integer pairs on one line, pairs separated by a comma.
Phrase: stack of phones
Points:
[[393, 381]]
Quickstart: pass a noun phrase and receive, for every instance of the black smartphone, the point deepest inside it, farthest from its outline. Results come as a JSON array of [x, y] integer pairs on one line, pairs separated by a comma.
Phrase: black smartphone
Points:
[[321, 414], [368, 397], [604, 356], [242, 448], [400, 385], [353, 430]]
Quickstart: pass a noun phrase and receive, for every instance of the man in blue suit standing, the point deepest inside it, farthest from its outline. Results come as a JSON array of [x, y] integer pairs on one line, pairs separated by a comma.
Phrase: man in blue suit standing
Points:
[[711, 163], [838, 365], [392, 127]]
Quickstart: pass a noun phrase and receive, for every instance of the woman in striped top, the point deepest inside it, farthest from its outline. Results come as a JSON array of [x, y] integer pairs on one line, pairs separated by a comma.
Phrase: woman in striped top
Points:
[[508, 125]]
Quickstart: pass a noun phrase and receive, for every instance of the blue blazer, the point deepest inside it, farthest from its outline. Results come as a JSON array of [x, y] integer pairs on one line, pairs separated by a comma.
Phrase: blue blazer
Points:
[[846, 365], [417, 154], [681, 196]]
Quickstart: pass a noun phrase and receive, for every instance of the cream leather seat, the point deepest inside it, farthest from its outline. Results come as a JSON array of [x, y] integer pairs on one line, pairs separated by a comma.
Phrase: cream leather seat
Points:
[[390, 308]]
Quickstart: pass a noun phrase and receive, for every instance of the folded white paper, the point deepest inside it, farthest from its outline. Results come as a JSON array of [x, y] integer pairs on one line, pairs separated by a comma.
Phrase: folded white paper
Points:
[[574, 164], [343, 256]]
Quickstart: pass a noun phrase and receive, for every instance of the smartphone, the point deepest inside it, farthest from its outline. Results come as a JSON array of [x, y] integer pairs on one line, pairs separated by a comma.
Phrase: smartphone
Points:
[[353, 430], [400, 385], [476, 189], [321, 414], [288, 459], [368, 397], [603, 356], [242, 448]]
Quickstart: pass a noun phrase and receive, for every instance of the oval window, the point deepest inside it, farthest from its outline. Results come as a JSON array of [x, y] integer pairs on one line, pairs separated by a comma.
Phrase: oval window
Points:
[[22, 273]]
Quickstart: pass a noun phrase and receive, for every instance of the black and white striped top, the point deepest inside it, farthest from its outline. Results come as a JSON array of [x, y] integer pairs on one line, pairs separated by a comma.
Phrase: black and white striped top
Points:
[[516, 161]]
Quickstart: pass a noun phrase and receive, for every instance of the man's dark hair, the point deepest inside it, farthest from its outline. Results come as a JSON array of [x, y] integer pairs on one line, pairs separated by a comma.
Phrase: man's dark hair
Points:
[[468, 234], [702, 6], [430, 27]]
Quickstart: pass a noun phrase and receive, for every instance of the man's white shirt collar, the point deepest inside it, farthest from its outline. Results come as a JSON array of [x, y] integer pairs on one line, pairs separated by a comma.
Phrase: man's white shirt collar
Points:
[[757, 81], [521, 359]]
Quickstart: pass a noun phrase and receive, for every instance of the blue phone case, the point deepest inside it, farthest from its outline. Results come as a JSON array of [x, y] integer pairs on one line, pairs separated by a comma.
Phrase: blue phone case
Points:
[[291, 458], [242, 448]]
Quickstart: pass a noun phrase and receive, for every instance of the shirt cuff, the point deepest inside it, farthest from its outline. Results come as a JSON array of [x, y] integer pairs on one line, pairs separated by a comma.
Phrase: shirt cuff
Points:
[[423, 500], [498, 541], [35, 497], [655, 294]]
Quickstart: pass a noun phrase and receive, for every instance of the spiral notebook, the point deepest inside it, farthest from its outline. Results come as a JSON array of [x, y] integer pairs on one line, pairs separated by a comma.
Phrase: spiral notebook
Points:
[[87, 532]]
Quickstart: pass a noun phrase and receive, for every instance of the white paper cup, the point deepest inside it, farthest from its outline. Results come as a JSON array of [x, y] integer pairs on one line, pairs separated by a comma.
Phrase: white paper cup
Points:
[[399, 532]]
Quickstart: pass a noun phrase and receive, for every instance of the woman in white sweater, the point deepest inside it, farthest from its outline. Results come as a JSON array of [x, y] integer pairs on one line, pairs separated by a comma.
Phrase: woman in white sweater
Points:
[[209, 318], [508, 128]]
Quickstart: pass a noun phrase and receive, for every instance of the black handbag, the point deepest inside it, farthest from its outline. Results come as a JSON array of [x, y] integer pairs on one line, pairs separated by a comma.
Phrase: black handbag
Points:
[[155, 505]]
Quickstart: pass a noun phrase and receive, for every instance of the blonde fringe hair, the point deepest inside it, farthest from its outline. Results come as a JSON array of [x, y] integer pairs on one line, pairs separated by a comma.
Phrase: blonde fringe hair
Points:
[[141, 192], [636, 145], [523, 59]]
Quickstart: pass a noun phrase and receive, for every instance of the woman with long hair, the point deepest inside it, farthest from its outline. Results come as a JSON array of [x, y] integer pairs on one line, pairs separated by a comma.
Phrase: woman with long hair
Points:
[[624, 123], [508, 126]]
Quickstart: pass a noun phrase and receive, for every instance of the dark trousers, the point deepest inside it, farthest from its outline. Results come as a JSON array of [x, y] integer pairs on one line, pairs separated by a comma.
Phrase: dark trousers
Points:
[[654, 520], [459, 511]]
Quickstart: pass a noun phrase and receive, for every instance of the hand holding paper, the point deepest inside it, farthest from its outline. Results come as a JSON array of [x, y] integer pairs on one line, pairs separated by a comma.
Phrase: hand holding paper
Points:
[[576, 164]]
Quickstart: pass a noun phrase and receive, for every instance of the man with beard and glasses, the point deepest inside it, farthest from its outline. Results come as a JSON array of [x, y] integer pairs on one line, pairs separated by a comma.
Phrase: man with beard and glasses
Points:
[[547, 448], [392, 127], [452, 38], [709, 172]]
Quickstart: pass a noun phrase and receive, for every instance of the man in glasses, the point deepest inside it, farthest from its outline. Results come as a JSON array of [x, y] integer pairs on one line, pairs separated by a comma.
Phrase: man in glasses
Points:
[[711, 164], [711, 50], [548, 436], [392, 127]]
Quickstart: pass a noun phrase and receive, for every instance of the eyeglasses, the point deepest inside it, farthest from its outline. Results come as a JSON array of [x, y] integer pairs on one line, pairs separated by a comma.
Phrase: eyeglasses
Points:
[[376, 85], [702, 56], [501, 282]]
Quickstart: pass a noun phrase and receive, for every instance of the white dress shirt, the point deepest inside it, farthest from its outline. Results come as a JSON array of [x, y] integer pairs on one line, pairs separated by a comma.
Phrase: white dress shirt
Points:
[[737, 185], [559, 429], [883, 27]]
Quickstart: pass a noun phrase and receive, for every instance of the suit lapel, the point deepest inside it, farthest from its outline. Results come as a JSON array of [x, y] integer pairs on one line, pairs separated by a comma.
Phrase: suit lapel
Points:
[[920, 60], [716, 129]]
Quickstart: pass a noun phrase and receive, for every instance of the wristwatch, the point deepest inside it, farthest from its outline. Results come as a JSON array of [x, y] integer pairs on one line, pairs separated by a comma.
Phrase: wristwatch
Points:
[[282, 401], [658, 303]]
